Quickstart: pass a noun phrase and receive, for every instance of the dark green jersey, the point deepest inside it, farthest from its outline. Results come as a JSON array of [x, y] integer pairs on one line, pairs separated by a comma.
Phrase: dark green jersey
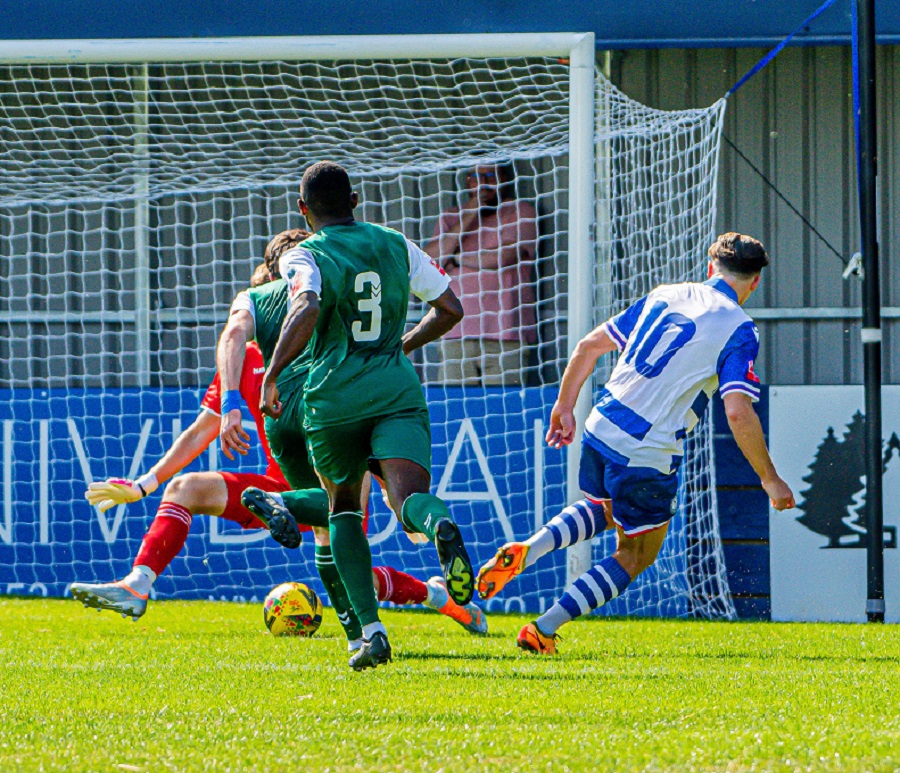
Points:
[[363, 275], [269, 305]]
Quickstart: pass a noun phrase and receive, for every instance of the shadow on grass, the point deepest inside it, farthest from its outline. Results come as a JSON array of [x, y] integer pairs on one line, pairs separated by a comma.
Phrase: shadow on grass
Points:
[[476, 656]]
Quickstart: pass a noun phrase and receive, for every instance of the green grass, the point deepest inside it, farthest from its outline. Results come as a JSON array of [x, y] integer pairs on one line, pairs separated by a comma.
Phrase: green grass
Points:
[[199, 686]]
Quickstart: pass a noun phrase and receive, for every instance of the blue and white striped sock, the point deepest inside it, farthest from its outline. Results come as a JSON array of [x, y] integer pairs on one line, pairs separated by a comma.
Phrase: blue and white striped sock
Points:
[[576, 523], [592, 590]]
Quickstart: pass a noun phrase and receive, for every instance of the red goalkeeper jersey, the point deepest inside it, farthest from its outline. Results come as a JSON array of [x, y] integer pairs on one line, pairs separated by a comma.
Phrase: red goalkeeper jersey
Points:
[[250, 388]]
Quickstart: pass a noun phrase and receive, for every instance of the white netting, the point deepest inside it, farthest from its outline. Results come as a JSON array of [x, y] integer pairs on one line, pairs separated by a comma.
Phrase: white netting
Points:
[[135, 200], [656, 199]]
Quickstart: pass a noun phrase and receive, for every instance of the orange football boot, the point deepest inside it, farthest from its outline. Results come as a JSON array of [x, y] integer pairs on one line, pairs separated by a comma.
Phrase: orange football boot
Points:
[[508, 563], [531, 639]]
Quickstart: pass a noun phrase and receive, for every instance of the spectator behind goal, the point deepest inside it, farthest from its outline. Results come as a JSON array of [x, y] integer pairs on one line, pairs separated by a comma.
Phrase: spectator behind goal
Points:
[[488, 247]]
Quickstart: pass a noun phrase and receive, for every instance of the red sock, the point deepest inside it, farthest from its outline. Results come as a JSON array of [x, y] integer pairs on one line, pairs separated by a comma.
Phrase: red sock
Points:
[[399, 587], [166, 537]]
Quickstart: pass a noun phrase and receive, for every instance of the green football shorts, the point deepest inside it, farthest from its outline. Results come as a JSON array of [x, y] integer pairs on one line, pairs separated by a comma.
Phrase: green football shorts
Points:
[[341, 452], [287, 439]]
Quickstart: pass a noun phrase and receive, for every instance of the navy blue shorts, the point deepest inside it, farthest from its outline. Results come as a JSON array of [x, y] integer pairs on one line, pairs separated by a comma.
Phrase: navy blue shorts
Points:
[[643, 499]]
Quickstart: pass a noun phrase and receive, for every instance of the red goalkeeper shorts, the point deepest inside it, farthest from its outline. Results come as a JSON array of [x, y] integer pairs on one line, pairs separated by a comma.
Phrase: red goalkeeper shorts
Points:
[[236, 482]]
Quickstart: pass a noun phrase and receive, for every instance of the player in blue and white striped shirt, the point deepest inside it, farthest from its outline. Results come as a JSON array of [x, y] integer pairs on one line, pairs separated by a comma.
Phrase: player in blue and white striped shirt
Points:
[[678, 345]]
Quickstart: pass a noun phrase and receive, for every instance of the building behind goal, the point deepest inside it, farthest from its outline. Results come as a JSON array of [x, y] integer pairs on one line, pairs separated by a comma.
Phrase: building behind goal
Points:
[[139, 184]]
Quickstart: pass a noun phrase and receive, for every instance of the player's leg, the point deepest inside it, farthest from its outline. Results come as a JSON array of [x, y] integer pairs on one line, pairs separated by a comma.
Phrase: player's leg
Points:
[[309, 507], [353, 559], [287, 513], [328, 571], [305, 503], [643, 502], [403, 589], [421, 512], [184, 497], [288, 442], [580, 521], [336, 590], [596, 587], [340, 453], [401, 447]]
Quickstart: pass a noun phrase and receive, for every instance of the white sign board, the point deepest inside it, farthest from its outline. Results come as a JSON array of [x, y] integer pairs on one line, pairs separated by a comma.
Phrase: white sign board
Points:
[[818, 550]]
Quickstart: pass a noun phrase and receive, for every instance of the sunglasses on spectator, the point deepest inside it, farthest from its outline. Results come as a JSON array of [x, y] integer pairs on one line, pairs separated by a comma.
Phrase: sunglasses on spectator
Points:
[[486, 176]]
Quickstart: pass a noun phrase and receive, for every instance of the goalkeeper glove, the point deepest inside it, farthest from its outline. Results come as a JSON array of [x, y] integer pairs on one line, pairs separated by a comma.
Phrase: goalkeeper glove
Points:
[[120, 491]]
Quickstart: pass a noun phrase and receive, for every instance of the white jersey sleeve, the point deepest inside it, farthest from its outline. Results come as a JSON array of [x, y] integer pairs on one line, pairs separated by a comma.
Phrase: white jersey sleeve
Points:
[[243, 302], [427, 280], [299, 269]]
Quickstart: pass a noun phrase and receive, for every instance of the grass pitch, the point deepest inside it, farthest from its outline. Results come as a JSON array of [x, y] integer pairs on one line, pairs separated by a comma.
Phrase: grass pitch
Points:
[[199, 686]]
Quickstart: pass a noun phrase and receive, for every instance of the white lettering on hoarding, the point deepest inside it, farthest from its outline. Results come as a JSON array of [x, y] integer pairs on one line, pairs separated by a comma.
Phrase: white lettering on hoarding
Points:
[[467, 430], [108, 530], [6, 529]]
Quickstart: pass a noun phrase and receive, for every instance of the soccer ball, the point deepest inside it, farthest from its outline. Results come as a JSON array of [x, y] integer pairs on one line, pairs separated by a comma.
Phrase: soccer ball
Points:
[[292, 609]]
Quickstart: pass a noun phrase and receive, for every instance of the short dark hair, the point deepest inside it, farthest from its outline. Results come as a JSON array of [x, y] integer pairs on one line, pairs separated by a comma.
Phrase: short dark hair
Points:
[[326, 190], [739, 254], [260, 276], [285, 241]]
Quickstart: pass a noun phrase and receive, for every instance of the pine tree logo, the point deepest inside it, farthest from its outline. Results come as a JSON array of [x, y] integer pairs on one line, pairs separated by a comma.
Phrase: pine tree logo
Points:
[[834, 505]]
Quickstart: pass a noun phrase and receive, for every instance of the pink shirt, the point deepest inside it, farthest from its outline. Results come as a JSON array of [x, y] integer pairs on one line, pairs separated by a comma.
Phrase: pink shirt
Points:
[[498, 293]]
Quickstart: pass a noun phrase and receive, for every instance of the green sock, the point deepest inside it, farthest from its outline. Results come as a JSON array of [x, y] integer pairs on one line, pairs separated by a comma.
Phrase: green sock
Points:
[[354, 561], [421, 513], [308, 506], [337, 593]]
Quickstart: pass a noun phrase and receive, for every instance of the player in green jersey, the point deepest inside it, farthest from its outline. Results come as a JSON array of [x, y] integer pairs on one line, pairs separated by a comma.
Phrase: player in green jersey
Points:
[[349, 285], [258, 313]]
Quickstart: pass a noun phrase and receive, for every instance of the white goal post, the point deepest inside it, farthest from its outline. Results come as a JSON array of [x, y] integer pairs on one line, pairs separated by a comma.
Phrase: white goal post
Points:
[[165, 174]]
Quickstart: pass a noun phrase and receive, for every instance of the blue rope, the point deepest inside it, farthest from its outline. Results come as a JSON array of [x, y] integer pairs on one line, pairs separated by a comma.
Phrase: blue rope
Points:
[[854, 55], [777, 50]]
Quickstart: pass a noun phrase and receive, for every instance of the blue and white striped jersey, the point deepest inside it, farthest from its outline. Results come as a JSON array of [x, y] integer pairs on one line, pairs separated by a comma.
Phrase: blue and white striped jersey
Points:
[[678, 345]]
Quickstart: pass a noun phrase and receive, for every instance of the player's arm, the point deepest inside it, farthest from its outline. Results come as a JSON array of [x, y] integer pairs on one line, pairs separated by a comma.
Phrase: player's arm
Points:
[[739, 387], [296, 331], [232, 345], [298, 267], [748, 434], [445, 313], [428, 282], [187, 447], [580, 366]]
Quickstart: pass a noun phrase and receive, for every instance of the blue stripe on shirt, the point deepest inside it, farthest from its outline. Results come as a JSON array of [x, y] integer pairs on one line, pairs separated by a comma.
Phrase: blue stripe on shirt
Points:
[[615, 335], [622, 416], [626, 321], [699, 405]]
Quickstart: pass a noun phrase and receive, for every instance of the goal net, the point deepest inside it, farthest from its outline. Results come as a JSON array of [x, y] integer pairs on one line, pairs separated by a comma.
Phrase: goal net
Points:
[[137, 197]]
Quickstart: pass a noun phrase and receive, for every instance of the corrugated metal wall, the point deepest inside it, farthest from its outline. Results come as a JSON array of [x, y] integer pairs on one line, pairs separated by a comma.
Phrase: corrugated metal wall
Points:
[[794, 121]]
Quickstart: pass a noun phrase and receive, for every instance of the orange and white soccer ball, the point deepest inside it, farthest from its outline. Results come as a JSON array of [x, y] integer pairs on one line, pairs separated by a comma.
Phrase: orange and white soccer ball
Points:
[[292, 609]]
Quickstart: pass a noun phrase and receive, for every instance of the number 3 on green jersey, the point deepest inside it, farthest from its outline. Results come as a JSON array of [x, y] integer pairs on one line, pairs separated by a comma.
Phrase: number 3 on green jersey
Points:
[[362, 275], [368, 282]]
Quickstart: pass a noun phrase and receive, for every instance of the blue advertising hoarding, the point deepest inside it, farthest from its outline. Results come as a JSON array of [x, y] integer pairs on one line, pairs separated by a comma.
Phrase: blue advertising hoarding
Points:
[[490, 464]]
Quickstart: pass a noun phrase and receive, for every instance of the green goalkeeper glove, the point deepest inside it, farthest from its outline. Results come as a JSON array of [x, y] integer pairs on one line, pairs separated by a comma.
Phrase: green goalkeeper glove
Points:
[[120, 491]]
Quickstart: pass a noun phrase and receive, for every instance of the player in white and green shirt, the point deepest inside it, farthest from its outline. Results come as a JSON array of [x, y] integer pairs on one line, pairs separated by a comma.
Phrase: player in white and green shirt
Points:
[[349, 285]]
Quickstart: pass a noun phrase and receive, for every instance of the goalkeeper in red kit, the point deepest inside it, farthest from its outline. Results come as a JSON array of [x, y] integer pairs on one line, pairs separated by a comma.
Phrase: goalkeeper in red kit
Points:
[[219, 494]]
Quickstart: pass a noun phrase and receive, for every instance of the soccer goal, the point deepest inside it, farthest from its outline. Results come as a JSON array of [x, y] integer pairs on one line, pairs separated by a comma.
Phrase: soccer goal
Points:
[[140, 181]]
